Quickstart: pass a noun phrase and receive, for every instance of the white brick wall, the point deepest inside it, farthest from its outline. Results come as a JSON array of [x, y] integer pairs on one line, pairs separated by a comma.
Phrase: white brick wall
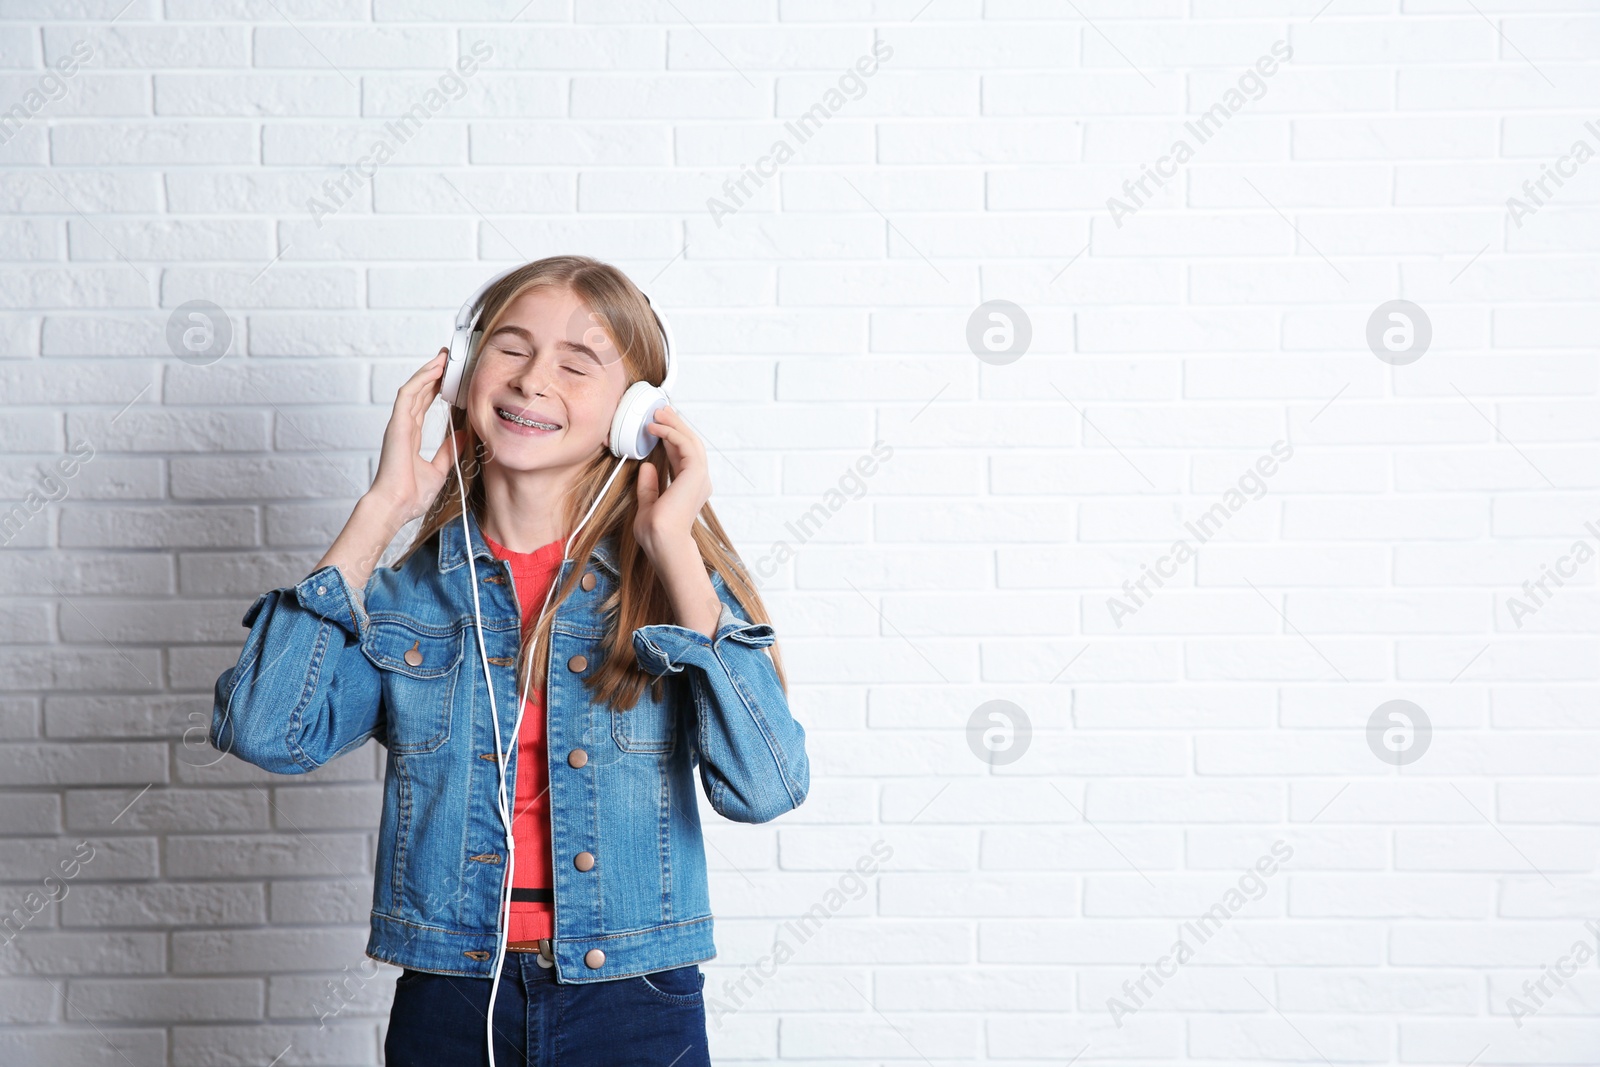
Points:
[[1224, 310]]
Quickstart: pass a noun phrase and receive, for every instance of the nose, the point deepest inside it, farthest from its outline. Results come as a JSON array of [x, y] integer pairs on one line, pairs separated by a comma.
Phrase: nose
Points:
[[534, 378]]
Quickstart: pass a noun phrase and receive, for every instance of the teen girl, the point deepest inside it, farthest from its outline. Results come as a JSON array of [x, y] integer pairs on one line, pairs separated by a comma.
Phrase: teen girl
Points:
[[545, 668]]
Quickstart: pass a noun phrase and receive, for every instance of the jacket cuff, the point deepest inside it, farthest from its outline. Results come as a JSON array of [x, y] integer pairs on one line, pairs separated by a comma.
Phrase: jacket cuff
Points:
[[664, 648], [325, 593]]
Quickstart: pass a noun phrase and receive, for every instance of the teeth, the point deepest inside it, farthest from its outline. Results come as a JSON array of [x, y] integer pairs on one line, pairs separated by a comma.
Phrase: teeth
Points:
[[504, 414]]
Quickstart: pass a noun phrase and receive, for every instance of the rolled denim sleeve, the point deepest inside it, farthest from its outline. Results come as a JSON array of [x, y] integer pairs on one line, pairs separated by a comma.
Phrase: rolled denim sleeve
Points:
[[753, 761], [302, 692]]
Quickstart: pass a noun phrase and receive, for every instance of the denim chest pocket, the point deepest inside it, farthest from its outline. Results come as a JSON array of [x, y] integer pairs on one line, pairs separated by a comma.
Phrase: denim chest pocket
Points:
[[648, 726], [419, 665]]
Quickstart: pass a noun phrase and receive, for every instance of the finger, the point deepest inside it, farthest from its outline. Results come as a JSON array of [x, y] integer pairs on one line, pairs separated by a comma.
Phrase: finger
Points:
[[431, 369], [673, 422], [432, 384], [420, 390], [646, 488], [414, 409], [425, 374], [674, 418], [676, 456], [680, 441]]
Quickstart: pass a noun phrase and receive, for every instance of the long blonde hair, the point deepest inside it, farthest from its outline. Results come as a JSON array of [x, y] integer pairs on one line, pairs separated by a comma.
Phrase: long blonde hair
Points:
[[639, 598]]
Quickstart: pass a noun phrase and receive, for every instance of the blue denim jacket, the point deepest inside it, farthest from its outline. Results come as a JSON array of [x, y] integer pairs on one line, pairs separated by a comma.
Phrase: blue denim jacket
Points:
[[323, 670]]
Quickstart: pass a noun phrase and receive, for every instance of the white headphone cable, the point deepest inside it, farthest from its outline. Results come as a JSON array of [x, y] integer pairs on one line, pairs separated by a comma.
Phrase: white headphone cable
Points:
[[483, 658], [500, 756]]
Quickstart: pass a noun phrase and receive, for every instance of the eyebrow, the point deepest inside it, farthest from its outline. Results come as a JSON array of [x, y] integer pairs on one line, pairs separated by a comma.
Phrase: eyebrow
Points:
[[570, 346]]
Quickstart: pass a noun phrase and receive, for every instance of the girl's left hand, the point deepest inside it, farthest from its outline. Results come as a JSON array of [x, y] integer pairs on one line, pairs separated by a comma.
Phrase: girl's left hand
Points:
[[665, 520]]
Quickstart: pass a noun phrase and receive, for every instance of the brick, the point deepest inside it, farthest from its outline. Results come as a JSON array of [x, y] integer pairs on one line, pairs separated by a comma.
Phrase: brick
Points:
[[440, 138], [217, 95], [166, 527], [310, 902], [143, 47], [353, 807], [243, 574], [176, 240], [179, 999], [30, 812], [100, 952], [222, 479], [202, 856], [90, 1047], [263, 385], [153, 144], [27, 1001], [165, 810], [170, 904], [358, 991], [339, 1042], [83, 763], [88, 858], [251, 952], [161, 431]]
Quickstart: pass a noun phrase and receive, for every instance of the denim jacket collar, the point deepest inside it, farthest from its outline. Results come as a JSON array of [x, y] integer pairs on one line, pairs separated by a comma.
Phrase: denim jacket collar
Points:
[[452, 553]]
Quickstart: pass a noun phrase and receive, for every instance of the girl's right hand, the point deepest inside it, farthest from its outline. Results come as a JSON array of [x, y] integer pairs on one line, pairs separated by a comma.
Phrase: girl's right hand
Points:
[[406, 483]]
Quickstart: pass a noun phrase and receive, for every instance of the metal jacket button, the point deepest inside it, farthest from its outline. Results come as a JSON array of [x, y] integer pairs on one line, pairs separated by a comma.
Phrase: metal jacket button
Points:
[[413, 656], [588, 581], [594, 958], [576, 664], [577, 757], [583, 861]]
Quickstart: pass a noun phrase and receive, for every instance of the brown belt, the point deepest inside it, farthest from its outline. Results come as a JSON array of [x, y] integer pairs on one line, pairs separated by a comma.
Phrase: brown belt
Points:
[[541, 946]]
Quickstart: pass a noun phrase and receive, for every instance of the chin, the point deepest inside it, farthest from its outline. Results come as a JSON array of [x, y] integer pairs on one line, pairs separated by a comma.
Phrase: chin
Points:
[[515, 452]]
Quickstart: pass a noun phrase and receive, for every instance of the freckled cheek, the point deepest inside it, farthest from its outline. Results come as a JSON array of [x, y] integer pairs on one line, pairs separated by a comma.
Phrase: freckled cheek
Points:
[[483, 387], [594, 416], [591, 405]]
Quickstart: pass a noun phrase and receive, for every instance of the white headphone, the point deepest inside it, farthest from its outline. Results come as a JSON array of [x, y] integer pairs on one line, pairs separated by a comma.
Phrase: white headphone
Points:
[[629, 438]]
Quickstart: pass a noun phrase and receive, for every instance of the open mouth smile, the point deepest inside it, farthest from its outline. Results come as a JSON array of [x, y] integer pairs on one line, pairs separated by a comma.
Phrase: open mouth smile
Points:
[[524, 422]]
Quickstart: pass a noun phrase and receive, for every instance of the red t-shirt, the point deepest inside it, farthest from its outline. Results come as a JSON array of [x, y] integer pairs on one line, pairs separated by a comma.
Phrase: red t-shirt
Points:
[[530, 819]]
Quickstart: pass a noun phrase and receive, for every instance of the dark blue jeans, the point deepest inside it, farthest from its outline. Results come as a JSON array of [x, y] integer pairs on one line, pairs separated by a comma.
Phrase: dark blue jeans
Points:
[[658, 1020]]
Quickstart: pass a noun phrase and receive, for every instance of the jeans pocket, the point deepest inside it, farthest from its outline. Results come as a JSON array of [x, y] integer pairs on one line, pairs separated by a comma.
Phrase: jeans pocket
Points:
[[676, 985]]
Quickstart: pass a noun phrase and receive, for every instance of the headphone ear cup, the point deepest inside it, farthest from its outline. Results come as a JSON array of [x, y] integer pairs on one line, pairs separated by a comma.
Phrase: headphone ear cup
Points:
[[629, 437], [453, 386]]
